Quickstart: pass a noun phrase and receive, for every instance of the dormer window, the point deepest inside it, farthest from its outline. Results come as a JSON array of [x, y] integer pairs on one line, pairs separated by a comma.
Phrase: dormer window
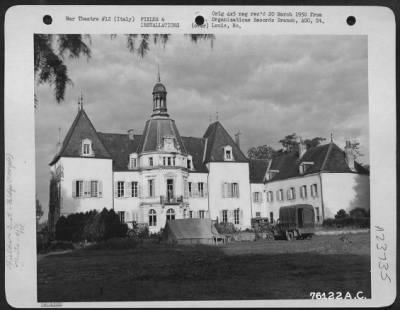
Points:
[[87, 148], [270, 174], [228, 153], [132, 161], [303, 167]]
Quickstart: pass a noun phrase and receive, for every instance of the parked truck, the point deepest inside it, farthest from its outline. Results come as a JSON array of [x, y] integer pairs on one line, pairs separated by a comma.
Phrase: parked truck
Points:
[[295, 222]]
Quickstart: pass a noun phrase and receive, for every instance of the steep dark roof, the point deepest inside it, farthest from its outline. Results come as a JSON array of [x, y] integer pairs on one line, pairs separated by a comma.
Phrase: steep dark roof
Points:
[[217, 137], [195, 147], [154, 131], [120, 147], [82, 128], [326, 158], [258, 168]]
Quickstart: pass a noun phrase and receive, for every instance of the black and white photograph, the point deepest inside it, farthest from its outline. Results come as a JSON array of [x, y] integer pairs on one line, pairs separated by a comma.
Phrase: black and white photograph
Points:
[[208, 167], [200, 167]]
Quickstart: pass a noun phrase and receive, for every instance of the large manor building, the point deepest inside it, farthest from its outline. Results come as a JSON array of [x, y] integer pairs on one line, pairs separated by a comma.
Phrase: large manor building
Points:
[[161, 175]]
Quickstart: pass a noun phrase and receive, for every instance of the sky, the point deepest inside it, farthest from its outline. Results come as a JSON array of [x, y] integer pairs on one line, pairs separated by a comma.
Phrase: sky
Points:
[[265, 86]]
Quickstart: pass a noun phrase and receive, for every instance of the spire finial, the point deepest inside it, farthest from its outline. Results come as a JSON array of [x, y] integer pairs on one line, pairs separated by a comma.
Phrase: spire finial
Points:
[[80, 102], [159, 77], [331, 137]]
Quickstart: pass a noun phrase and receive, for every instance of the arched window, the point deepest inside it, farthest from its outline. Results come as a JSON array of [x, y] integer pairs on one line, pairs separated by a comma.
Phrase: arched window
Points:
[[170, 214], [152, 217]]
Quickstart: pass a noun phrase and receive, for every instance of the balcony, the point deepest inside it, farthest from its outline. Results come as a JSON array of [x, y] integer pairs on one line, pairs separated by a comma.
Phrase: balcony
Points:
[[171, 200]]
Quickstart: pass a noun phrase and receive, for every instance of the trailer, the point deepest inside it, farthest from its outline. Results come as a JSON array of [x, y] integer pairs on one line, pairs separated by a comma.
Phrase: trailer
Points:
[[295, 222]]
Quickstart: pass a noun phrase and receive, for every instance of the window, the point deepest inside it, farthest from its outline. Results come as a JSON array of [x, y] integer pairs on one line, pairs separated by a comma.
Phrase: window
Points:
[[236, 216], [173, 161], [317, 216], [152, 218], [270, 196], [189, 163], [132, 163], [258, 214], [303, 191], [120, 189], [279, 194], [169, 161], [191, 214], [86, 147], [86, 189], [291, 194], [134, 189], [184, 213], [304, 166], [93, 188], [201, 189], [170, 214], [224, 216], [257, 197], [228, 153], [190, 189], [151, 161], [79, 189], [201, 214], [121, 215], [230, 190], [164, 161], [151, 187], [314, 190], [271, 217]]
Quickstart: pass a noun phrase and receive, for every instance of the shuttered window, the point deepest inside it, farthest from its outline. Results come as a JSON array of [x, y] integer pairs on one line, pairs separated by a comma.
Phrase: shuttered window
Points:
[[134, 189], [236, 216], [87, 189]]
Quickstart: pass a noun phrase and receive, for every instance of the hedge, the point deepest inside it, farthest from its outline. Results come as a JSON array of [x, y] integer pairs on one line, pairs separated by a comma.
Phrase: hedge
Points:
[[90, 226]]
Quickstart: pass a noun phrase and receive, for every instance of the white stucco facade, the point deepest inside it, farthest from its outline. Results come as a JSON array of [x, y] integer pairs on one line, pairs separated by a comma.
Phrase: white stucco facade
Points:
[[86, 170], [279, 200], [230, 173]]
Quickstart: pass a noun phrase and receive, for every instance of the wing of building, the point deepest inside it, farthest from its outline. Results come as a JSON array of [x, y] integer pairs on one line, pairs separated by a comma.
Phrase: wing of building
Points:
[[159, 175]]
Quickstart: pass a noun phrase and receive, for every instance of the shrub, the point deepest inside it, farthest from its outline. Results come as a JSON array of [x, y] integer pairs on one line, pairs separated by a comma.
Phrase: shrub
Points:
[[91, 226], [114, 244], [225, 228], [358, 218]]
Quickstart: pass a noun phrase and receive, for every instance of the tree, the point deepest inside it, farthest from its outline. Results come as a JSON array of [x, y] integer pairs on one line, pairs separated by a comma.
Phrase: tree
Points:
[[289, 142], [261, 152], [50, 51], [341, 214], [39, 211], [355, 145], [314, 142]]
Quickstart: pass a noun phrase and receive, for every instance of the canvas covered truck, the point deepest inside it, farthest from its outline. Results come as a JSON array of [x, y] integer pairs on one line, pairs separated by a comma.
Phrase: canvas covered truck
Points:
[[295, 222]]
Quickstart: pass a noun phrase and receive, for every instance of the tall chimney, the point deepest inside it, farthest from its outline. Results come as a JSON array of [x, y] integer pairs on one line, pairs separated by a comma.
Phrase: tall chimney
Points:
[[302, 147], [130, 134], [350, 155], [237, 138]]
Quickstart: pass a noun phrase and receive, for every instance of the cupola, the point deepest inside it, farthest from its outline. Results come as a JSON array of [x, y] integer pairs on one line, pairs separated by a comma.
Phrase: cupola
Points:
[[159, 99]]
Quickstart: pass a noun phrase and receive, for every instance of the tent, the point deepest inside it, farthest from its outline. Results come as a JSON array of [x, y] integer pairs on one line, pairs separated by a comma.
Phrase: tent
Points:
[[192, 231]]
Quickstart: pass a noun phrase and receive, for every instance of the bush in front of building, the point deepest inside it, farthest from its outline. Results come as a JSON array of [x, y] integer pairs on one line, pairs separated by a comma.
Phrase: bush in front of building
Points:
[[225, 228], [90, 226], [358, 218]]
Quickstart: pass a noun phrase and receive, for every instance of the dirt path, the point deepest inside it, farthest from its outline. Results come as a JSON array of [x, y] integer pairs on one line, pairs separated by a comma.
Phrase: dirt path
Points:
[[41, 256]]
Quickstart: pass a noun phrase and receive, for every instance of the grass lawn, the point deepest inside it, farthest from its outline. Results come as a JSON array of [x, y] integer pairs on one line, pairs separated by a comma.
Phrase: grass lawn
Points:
[[248, 270]]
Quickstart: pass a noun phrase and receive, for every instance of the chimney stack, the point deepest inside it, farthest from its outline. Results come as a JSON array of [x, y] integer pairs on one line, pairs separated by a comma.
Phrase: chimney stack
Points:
[[237, 138], [130, 134], [350, 155], [302, 147]]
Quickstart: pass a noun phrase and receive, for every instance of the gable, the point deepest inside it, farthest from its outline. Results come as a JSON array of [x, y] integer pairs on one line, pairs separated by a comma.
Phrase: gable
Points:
[[218, 138], [81, 129]]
